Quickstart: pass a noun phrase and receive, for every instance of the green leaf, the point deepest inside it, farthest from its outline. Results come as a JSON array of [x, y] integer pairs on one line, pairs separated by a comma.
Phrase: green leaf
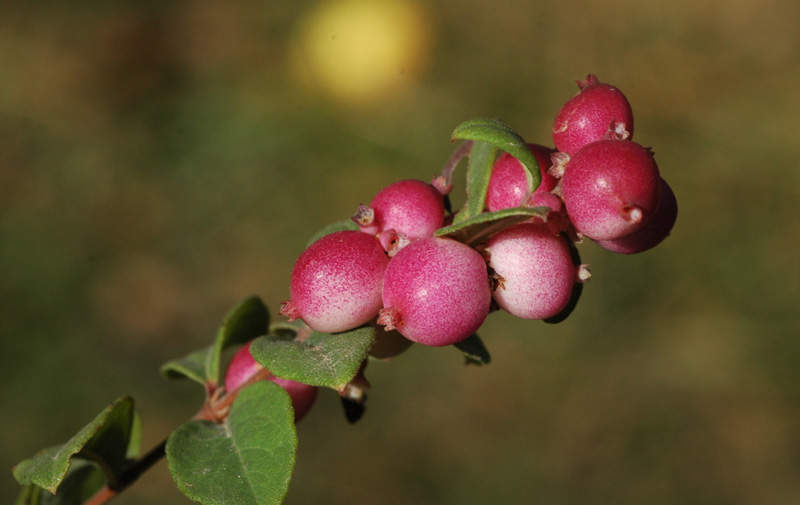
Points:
[[323, 359], [474, 350], [475, 230], [247, 460], [247, 320], [83, 481], [479, 170], [345, 224], [135, 439], [505, 138], [192, 366], [105, 441]]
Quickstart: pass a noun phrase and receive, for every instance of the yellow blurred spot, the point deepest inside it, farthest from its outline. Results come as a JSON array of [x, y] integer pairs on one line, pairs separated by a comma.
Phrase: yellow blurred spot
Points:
[[362, 50]]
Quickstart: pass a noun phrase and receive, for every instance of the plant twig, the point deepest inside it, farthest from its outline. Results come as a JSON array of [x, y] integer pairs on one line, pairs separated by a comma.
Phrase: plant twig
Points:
[[129, 476]]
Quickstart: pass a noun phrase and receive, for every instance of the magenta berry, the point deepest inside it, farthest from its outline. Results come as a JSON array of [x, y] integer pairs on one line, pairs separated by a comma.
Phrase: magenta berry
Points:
[[243, 366], [654, 232], [411, 207], [508, 184], [588, 116], [436, 292], [611, 188], [535, 271], [336, 283]]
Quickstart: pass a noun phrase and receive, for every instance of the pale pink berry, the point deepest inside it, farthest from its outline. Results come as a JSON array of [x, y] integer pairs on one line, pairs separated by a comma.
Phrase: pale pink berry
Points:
[[336, 283], [436, 292], [654, 232], [243, 366], [411, 207], [534, 270], [611, 188], [597, 110], [508, 184]]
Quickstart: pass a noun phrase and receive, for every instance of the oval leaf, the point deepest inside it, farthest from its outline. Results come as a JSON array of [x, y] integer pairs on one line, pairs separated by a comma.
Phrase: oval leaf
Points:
[[505, 138], [479, 170], [104, 440], [192, 366], [83, 481], [247, 320], [323, 359], [479, 228], [247, 460]]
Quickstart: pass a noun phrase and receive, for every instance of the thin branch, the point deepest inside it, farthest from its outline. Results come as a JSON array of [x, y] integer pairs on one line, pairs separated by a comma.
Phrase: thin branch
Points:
[[130, 475]]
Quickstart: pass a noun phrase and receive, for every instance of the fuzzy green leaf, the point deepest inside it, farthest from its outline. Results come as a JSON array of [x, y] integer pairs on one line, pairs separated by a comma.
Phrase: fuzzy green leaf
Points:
[[323, 359], [479, 228], [105, 441], [247, 460], [479, 170], [503, 137], [192, 366], [83, 481], [247, 320]]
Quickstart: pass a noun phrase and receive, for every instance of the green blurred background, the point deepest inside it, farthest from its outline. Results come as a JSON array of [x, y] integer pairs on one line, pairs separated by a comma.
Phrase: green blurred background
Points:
[[161, 160]]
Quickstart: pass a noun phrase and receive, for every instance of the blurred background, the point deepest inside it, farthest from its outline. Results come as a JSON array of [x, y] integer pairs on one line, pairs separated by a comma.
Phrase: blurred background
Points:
[[161, 160]]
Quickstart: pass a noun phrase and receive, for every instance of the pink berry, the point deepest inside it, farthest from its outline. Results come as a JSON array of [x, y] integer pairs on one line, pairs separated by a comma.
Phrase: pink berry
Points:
[[611, 188], [436, 292], [243, 366], [508, 184], [654, 232], [535, 270], [411, 207], [588, 116], [336, 283]]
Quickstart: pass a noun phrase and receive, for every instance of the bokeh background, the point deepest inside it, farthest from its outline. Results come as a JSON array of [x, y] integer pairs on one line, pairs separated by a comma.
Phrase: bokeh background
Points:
[[161, 160]]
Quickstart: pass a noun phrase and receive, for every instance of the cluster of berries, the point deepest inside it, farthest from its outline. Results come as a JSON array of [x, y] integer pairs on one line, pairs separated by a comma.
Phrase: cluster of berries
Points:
[[394, 271], [389, 268], [609, 185]]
